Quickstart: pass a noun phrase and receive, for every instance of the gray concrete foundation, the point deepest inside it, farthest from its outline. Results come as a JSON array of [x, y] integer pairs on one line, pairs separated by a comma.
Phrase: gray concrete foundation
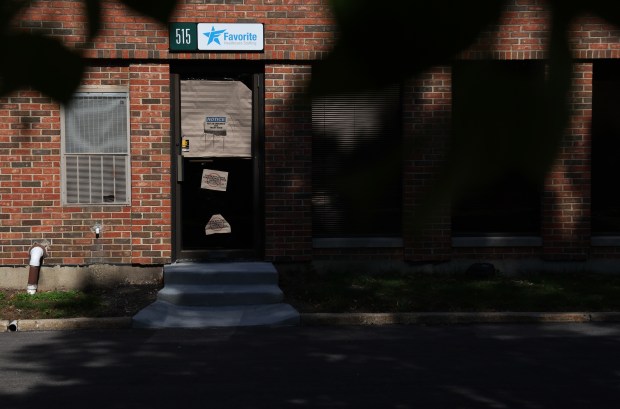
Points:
[[81, 277]]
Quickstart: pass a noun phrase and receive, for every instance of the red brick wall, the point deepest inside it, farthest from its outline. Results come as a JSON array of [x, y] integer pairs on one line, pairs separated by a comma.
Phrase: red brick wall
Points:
[[427, 117], [288, 171], [151, 214], [30, 180], [520, 34], [566, 213], [592, 37], [29, 172], [294, 30], [133, 51]]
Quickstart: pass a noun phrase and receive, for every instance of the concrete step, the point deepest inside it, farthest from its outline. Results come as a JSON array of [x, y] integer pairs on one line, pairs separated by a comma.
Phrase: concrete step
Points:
[[221, 273], [220, 294], [162, 314], [200, 295]]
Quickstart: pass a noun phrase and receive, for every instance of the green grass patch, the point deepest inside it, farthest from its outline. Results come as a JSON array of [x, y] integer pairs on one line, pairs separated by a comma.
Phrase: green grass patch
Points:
[[52, 304], [416, 292], [338, 292]]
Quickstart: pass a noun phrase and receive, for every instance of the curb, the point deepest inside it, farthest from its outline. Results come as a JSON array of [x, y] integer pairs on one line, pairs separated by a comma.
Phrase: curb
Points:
[[440, 318], [336, 319], [66, 324]]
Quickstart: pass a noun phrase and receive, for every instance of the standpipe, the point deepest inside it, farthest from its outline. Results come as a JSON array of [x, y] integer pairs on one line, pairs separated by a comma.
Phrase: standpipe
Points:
[[37, 252]]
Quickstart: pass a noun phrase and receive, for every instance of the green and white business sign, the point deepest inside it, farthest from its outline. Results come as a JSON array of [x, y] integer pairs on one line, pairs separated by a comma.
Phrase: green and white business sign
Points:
[[190, 37]]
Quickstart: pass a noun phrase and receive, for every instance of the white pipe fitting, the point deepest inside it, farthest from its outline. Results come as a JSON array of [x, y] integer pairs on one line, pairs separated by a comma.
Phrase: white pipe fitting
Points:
[[36, 254]]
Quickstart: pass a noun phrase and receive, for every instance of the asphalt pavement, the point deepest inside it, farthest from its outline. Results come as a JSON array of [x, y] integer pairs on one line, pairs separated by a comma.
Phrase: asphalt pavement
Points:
[[459, 366]]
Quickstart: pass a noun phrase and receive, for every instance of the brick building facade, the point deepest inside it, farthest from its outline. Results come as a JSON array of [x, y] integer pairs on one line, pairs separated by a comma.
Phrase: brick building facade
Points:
[[133, 53]]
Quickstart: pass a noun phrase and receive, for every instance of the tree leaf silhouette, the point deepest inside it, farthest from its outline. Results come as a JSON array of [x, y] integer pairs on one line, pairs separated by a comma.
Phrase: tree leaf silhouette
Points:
[[44, 63], [160, 10], [606, 9], [93, 12], [52, 69], [377, 46]]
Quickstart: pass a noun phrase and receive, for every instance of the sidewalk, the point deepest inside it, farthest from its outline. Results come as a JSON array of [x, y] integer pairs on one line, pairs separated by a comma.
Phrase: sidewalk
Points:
[[326, 319]]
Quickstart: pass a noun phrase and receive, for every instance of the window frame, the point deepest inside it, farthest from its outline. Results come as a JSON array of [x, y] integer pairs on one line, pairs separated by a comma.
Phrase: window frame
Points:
[[94, 91]]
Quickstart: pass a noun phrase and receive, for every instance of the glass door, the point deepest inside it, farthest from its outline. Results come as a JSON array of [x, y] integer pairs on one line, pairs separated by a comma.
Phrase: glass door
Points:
[[218, 169]]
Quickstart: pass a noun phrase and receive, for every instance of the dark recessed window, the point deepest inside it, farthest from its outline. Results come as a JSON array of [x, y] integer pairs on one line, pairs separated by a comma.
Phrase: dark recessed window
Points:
[[509, 206], [357, 165], [495, 116], [605, 148]]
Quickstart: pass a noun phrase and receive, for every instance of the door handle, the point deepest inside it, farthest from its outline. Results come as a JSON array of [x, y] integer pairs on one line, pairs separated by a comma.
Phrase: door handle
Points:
[[179, 168]]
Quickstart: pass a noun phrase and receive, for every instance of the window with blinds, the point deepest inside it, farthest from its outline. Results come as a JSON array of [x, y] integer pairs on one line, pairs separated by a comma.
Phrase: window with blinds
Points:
[[357, 165], [96, 149]]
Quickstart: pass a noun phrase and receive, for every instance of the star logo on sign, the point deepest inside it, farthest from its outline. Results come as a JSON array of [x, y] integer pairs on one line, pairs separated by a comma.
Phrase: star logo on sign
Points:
[[214, 35]]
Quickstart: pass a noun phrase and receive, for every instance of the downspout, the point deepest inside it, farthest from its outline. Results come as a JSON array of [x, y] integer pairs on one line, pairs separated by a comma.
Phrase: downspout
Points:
[[37, 252]]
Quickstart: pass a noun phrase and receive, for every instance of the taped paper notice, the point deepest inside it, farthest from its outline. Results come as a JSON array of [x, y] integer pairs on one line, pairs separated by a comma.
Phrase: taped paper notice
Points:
[[214, 180], [215, 125], [216, 118], [217, 224]]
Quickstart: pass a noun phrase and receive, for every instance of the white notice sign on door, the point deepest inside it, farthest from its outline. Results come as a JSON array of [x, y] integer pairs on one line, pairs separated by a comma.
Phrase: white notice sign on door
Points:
[[214, 180]]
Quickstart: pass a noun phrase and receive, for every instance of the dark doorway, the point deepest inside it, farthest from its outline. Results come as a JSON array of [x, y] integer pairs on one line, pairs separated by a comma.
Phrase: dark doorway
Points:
[[218, 128]]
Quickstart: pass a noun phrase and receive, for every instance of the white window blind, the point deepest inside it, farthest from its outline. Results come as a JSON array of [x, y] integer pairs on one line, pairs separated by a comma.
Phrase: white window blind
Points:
[[96, 149], [357, 164]]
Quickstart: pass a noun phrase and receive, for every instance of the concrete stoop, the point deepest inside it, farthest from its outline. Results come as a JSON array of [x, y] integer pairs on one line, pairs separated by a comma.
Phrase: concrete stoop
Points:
[[203, 295]]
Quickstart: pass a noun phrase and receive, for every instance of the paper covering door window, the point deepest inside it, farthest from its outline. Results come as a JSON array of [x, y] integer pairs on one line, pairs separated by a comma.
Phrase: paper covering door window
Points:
[[216, 119]]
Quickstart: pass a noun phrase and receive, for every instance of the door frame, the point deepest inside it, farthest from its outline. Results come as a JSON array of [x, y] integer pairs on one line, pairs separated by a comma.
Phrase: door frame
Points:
[[202, 72]]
